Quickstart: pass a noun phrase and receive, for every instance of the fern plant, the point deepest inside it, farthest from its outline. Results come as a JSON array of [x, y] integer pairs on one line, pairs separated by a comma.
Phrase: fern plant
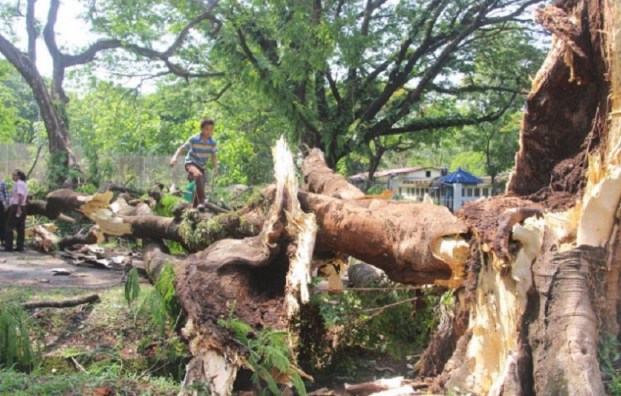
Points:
[[269, 356], [16, 348], [160, 305], [132, 286]]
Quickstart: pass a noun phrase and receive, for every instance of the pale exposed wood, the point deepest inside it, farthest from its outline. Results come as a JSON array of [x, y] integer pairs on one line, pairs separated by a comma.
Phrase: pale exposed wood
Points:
[[43, 237], [372, 387]]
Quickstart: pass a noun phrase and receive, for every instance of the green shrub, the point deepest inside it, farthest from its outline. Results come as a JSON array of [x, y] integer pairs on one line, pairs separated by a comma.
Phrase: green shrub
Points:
[[167, 204], [160, 311], [17, 350], [609, 354], [380, 320], [268, 352]]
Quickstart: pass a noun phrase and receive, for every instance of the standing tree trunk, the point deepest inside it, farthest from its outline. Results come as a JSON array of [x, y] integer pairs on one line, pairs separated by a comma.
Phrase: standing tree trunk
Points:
[[51, 111]]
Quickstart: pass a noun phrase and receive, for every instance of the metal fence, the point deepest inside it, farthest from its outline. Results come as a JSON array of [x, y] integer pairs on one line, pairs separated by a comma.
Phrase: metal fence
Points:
[[119, 168], [21, 156], [138, 171]]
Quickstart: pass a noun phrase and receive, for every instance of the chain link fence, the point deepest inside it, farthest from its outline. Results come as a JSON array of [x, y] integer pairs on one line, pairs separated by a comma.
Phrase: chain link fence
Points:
[[21, 156], [125, 169], [138, 171]]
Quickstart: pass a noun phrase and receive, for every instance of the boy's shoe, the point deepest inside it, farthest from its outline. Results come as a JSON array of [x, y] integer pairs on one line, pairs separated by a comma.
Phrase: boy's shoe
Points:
[[201, 208]]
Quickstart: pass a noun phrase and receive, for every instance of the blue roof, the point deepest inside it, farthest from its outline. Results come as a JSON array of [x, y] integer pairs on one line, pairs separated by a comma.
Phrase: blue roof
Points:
[[460, 176]]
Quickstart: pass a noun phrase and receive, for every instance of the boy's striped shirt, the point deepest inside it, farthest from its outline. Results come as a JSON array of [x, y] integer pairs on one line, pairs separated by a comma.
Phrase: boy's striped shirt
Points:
[[199, 150]]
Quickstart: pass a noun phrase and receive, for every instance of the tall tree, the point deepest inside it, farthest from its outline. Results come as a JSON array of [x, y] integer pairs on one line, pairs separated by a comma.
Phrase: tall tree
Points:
[[51, 99], [494, 143], [361, 70]]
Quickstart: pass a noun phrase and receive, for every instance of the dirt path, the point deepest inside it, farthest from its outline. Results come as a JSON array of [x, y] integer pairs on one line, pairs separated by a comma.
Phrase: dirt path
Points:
[[33, 269]]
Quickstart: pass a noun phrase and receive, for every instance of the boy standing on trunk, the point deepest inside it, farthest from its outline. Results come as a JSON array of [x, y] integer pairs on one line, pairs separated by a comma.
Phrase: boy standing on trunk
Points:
[[199, 148]]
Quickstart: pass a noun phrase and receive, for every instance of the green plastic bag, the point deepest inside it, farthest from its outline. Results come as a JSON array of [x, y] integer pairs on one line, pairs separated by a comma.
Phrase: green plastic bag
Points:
[[188, 193]]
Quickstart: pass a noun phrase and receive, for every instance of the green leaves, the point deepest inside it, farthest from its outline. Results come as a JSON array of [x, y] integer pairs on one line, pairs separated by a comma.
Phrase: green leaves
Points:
[[18, 111], [269, 355], [132, 286], [379, 320]]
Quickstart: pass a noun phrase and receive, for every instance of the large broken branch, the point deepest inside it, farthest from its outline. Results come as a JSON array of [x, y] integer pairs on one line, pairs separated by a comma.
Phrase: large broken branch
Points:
[[320, 179], [409, 251], [70, 302]]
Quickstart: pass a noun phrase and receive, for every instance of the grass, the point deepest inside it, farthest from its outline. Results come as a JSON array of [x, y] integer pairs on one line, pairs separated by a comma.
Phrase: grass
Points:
[[115, 344], [18, 384]]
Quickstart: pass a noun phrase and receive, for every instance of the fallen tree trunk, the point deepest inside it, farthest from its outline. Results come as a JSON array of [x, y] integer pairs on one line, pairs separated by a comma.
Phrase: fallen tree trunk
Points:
[[320, 179], [258, 280], [92, 236], [406, 251], [196, 232]]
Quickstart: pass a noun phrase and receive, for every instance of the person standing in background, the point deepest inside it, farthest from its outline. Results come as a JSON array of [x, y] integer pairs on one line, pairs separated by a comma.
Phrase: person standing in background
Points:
[[4, 204], [16, 215]]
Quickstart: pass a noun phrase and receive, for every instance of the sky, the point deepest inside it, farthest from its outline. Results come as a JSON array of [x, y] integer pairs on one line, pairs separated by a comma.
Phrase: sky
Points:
[[70, 32]]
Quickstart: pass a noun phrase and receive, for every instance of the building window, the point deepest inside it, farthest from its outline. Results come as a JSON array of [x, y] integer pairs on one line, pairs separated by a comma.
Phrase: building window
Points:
[[427, 173], [486, 192], [477, 192], [463, 192], [469, 191]]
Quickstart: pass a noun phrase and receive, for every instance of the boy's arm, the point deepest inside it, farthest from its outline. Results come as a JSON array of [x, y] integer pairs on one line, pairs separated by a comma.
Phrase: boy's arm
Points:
[[214, 161], [173, 160]]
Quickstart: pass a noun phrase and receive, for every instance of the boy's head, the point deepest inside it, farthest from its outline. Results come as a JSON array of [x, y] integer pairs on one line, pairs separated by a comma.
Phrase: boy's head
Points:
[[207, 125]]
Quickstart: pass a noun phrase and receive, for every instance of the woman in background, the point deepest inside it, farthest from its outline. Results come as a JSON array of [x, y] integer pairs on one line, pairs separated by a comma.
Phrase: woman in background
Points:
[[4, 204], [16, 215]]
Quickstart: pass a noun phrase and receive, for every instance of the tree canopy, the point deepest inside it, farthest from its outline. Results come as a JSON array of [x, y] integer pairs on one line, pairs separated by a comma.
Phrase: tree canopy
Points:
[[358, 79]]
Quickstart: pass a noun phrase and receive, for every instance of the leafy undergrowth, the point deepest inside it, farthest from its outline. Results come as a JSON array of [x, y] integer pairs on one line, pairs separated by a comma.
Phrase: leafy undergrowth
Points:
[[16, 383], [609, 353], [115, 347], [106, 348], [367, 334]]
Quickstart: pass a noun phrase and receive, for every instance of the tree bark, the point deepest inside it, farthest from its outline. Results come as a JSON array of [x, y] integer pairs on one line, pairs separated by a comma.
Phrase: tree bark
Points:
[[405, 250], [570, 286], [58, 136], [320, 179], [546, 284], [536, 280], [70, 302]]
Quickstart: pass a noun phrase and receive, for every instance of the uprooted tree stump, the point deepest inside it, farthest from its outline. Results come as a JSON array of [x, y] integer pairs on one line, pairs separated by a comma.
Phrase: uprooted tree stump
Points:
[[536, 270], [545, 288]]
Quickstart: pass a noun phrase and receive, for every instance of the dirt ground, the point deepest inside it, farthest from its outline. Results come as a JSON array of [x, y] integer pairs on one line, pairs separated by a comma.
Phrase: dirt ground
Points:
[[34, 269]]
